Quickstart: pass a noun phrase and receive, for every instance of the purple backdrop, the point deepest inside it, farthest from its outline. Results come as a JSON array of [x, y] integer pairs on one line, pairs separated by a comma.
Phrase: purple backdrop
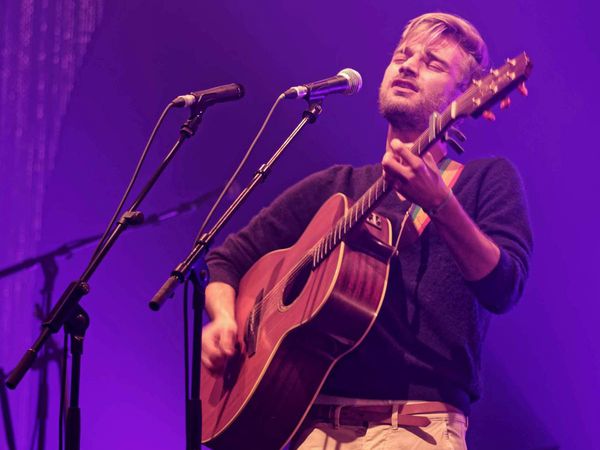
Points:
[[541, 367]]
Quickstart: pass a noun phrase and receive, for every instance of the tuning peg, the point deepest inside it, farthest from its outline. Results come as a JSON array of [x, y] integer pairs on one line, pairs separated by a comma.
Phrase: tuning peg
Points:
[[505, 103], [488, 115], [523, 89]]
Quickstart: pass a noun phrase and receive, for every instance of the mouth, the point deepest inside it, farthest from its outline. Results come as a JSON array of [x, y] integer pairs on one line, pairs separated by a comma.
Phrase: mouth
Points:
[[405, 85]]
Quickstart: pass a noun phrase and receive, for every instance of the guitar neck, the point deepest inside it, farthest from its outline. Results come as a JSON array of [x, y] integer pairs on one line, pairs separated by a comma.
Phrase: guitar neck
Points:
[[375, 194], [476, 99]]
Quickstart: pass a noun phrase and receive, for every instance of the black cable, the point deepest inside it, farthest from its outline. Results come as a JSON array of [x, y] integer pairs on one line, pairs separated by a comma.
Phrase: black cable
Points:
[[237, 171], [36, 427], [136, 172], [6, 416], [63, 390], [101, 243], [186, 352]]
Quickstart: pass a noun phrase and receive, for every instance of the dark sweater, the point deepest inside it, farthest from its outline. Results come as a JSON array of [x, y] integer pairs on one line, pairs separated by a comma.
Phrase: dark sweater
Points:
[[426, 342]]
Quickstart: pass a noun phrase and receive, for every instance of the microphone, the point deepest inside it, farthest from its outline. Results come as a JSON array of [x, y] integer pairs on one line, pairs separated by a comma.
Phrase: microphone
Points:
[[347, 82], [207, 97]]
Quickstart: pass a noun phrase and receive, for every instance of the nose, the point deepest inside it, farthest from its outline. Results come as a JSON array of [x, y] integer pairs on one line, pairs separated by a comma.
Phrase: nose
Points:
[[409, 66]]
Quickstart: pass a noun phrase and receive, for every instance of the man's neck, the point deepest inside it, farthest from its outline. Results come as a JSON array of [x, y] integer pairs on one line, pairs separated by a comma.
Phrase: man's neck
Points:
[[438, 150]]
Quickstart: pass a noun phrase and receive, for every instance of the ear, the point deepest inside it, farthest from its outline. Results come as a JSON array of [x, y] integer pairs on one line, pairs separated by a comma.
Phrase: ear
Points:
[[462, 86], [470, 71], [465, 82]]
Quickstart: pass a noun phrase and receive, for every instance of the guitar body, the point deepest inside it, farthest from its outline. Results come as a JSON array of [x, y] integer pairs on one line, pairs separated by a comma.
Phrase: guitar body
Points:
[[302, 331]]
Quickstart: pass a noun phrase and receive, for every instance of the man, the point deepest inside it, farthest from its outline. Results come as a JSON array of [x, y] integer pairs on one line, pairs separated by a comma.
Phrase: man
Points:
[[411, 381]]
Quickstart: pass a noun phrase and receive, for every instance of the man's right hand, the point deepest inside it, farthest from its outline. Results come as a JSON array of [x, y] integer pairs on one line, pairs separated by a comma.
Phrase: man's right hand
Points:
[[219, 337]]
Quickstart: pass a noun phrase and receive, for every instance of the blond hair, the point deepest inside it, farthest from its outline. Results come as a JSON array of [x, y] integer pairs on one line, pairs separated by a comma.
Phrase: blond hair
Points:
[[431, 27]]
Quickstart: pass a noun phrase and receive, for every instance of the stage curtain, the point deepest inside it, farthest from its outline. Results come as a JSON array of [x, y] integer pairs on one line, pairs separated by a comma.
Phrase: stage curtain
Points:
[[42, 45]]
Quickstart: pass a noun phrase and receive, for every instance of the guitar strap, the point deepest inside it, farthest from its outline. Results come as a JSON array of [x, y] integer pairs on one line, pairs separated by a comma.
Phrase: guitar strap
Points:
[[450, 171]]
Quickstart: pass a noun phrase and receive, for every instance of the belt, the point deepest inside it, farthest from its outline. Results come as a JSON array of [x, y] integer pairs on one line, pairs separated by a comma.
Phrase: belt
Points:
[[397, 414]]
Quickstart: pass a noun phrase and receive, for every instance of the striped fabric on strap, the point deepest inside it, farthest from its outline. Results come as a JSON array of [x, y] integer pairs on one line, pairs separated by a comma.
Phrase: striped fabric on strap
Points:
[[450, 171]]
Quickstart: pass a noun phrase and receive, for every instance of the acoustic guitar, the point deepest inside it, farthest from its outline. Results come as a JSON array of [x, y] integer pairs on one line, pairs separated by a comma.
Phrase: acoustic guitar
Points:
[[300, 309]]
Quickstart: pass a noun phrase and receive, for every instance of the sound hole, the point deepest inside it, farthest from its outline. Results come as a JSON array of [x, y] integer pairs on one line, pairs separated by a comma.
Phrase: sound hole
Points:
[[296, 283]]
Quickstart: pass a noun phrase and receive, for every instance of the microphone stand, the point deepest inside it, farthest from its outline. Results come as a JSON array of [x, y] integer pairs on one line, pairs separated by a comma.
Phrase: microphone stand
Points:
[[76, 327], [52, 352], [6, 417], [69, 313], [193, 403], [186, 269]]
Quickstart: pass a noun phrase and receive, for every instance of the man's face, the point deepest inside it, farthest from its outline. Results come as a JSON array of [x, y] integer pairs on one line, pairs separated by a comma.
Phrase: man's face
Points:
[[420, 80]]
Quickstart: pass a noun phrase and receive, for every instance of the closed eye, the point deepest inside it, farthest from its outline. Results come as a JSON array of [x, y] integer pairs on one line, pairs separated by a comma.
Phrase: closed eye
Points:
[[399, 58], [437, 66], [436, 63]]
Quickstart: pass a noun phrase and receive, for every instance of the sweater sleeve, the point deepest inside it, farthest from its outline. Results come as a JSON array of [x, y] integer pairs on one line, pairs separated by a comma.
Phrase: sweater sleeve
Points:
[[277, 226], [502, 215]]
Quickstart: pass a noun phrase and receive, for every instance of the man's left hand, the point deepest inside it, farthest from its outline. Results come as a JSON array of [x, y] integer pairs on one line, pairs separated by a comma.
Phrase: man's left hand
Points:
[[417, 179]]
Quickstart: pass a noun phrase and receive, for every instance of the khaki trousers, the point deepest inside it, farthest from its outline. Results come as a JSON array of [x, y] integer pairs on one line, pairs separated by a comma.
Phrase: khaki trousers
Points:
[[445, 431]]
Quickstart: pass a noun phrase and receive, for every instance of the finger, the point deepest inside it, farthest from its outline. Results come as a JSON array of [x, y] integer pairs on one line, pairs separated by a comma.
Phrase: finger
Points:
[[216, 360], [206, 361], [208, 356], [430, 161], [407, 156], [209, 342], [212, 357], [216, 367], [228, 338], [393, 169], [386, 162], [396, 143], [396, 147]]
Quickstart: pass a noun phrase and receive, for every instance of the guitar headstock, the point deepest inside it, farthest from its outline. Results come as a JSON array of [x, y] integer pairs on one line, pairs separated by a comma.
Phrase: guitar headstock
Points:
[[494, 87]]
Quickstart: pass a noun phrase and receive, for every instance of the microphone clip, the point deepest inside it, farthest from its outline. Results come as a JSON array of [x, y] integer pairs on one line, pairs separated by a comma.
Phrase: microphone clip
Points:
[[314, 110]]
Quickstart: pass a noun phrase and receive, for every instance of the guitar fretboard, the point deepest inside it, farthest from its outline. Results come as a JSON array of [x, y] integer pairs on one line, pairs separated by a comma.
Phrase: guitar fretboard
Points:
[[371, 198], [345, 224]]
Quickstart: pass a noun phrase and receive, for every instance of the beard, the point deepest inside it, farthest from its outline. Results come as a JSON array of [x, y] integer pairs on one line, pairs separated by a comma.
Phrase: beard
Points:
[[409, 113]]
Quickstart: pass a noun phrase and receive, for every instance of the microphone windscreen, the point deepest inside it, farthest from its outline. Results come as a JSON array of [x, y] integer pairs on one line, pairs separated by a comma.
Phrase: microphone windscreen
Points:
[[354, 80]]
